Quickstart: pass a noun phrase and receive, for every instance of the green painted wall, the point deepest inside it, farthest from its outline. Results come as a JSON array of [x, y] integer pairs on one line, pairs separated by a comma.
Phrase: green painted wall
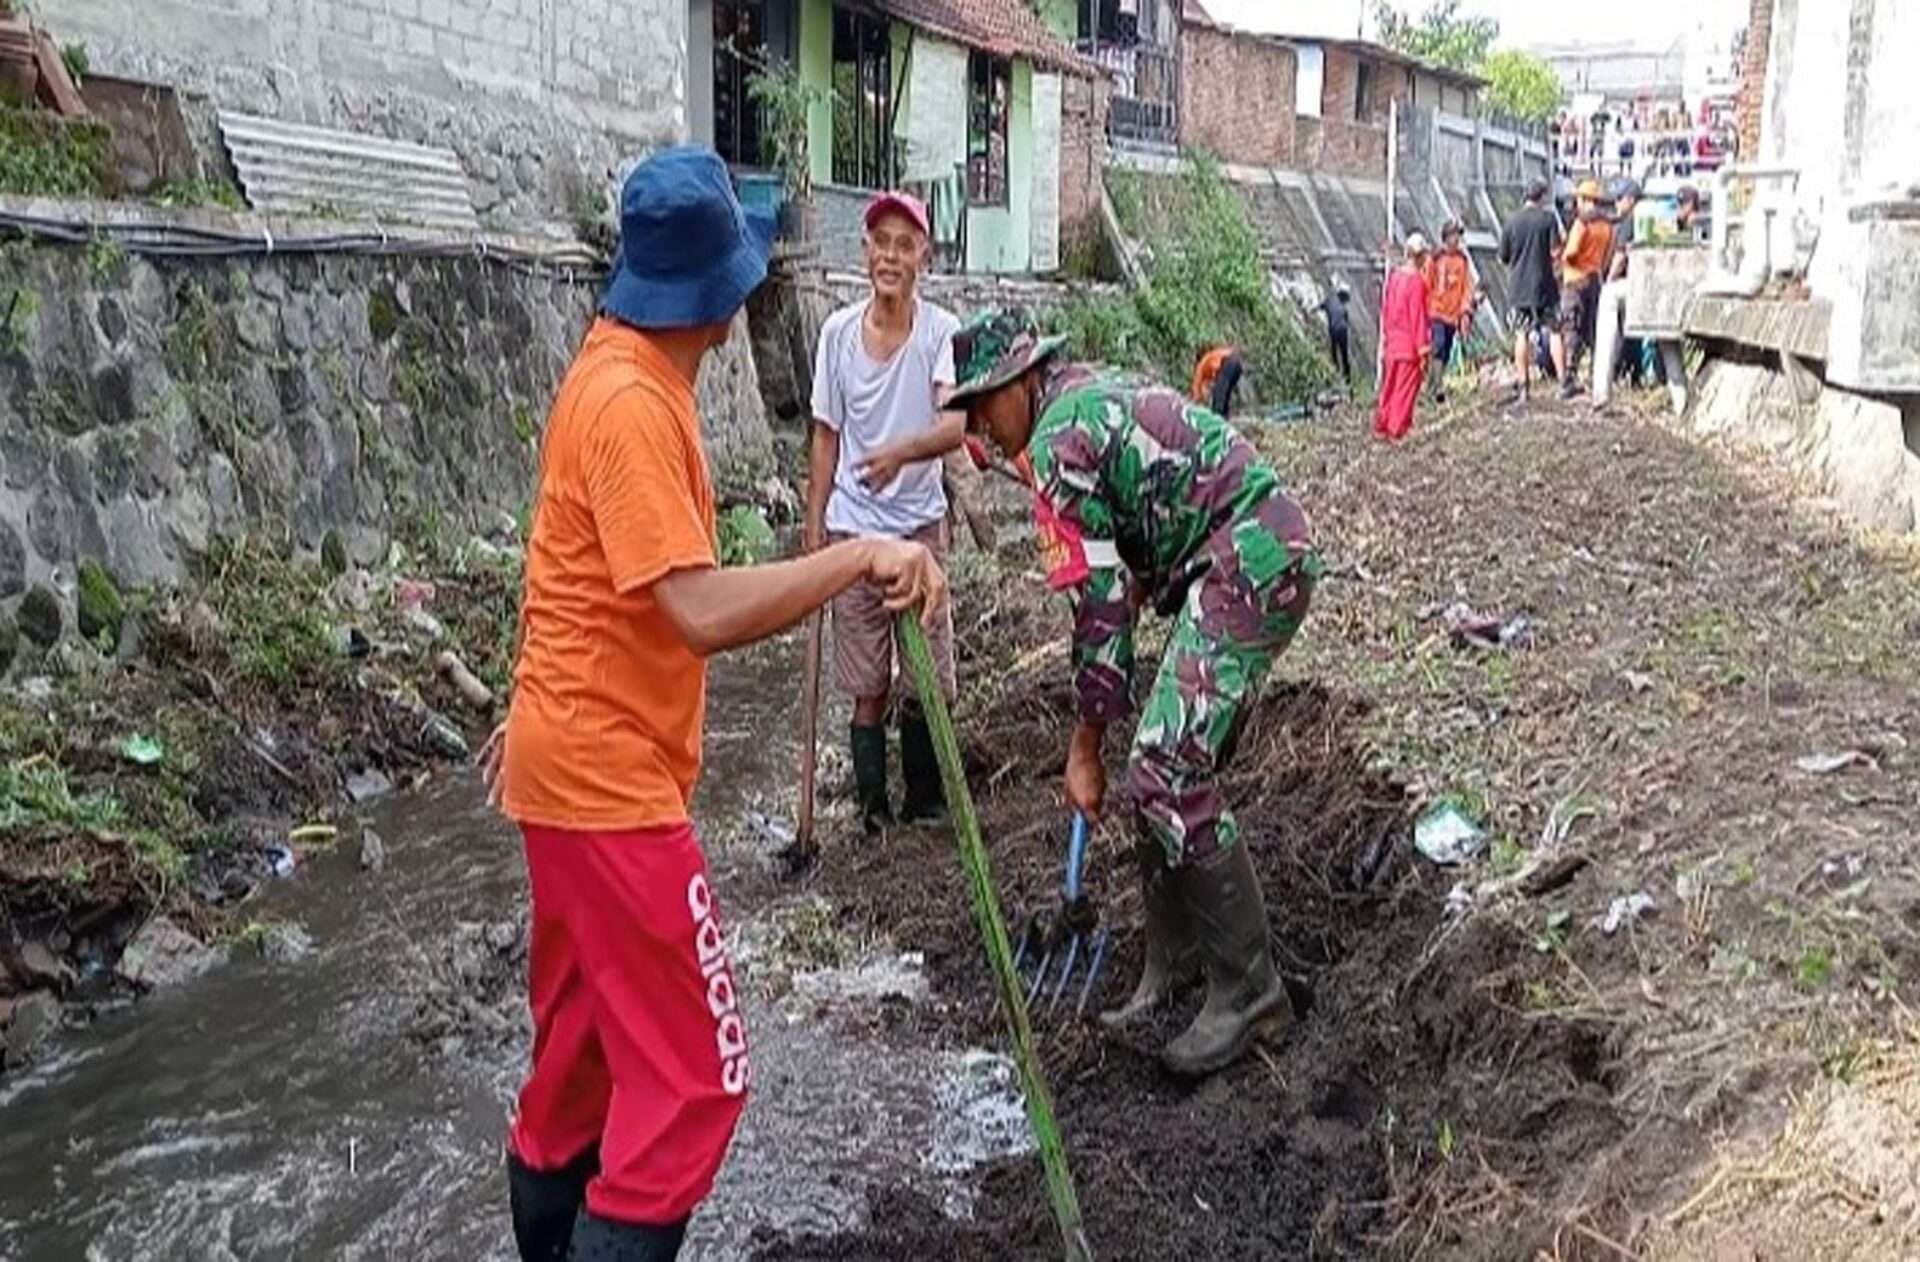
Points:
[[816, 70], [1061, 16], [1001, 240]]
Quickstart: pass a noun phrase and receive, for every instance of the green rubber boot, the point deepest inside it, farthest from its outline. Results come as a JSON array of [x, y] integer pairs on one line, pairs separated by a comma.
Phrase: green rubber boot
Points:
[[870, 778], [1245, 997], [1173, 955]]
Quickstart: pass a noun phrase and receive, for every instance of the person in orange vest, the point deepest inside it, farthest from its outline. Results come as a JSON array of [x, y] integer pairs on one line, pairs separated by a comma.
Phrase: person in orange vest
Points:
[[1215, 378], [1589, 244], [1449, 301]]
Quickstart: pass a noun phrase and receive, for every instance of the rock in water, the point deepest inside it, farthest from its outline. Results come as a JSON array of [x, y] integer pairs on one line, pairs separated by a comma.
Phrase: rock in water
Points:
[[99, 607], [41, 967], [286, 943], [373, 851], [164, 954], [35, 1017]]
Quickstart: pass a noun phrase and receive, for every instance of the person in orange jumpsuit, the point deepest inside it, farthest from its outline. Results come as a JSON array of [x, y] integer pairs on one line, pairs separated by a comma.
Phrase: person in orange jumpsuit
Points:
[[1449, 277], [1407, 342], [1215, 378]]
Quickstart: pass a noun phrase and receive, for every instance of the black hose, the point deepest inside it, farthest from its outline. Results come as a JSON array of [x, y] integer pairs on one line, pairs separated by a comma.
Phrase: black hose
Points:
[[176, 240]]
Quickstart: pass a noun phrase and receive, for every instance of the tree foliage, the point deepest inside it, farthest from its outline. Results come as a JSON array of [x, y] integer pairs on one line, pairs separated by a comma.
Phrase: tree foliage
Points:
[[1441, 35], [1522, 85]]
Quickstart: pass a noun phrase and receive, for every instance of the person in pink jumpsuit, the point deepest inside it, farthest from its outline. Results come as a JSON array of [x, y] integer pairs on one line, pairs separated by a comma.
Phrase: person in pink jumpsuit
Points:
[[1408, 341]]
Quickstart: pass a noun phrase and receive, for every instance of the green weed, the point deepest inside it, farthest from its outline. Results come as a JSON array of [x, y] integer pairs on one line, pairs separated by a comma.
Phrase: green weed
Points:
[[43, 157], [1207, 284], [745, 536]]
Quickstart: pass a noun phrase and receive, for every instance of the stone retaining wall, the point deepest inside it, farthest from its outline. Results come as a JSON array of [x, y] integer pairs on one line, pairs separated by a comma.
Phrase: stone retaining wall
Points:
[[147, 403]]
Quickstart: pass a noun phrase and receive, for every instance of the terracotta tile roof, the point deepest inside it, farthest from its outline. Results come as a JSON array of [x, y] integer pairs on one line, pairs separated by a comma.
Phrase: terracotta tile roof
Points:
[[1005, 28]]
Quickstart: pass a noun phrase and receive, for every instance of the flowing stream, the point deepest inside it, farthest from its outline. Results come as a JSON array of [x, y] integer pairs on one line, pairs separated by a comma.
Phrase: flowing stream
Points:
[[288, 1109]]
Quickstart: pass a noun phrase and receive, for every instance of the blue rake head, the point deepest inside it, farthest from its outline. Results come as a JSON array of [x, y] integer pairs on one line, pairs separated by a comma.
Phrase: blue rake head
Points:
[[1071, 936]]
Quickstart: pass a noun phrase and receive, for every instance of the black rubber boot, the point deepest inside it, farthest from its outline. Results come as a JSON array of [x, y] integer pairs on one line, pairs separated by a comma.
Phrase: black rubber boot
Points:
[[1173, 956], [1245, 997], [870, 777], [598, 1239], [545, 1205], [926, 797]]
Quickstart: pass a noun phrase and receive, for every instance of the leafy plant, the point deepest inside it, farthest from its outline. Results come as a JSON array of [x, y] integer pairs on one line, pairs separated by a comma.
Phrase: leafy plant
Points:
[[786, 101], [1206, 284], [1522, 86], [745, 536], [1440, 35], [78, 64], [40, 157], [1554, 935], [197, 191]]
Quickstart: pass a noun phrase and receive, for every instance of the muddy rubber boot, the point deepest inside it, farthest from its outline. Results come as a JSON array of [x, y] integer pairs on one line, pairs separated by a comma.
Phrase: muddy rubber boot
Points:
[[597, 1239], [870, 778], [926, 797], [1173, 955], [545, 1205], [1245, 997]]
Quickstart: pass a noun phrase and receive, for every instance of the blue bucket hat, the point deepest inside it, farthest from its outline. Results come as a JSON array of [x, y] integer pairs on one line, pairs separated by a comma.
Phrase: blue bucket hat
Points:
[[689, 255]]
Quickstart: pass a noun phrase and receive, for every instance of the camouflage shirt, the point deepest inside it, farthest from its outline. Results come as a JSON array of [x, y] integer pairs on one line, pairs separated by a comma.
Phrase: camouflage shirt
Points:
[[1133, 477]]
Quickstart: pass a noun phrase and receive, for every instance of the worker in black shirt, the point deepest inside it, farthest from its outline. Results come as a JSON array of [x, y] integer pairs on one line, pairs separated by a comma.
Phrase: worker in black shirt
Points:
[[1527, 247]]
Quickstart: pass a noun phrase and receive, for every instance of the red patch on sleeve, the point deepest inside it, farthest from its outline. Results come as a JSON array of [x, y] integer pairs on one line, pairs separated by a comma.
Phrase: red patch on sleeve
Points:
[[1062, 553]]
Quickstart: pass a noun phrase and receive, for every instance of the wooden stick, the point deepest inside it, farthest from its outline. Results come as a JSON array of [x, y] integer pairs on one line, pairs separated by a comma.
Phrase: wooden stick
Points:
[[809, 727], [964, 487]]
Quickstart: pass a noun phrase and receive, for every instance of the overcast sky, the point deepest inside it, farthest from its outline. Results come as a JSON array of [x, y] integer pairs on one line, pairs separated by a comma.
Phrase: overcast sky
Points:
[[1523, 23]]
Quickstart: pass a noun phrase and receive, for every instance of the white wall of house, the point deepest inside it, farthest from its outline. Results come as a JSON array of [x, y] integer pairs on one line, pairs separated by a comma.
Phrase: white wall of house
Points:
[[1046, 172], [936, 123]]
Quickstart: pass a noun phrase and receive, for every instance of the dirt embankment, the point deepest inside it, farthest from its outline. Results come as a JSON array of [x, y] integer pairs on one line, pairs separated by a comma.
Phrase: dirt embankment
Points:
[[146, 794], [1712, 709]]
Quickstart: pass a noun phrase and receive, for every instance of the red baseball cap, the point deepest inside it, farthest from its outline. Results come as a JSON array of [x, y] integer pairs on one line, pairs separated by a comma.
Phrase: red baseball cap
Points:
[[903, 203]]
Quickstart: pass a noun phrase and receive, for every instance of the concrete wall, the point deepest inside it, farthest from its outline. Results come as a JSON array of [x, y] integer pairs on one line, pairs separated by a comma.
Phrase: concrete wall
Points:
[[544, 100], [149, 404], [1237, 96], [1043, 224], [1083, 152], [1855, 449]]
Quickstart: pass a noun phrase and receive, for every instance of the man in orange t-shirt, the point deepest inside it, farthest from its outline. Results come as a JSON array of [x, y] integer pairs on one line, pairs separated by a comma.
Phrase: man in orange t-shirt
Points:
[[1589, 244], [1449, 301], [639, 1054], [1216, 376]]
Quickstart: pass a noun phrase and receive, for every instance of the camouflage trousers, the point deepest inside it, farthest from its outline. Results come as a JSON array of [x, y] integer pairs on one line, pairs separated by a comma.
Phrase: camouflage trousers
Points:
[[1237, 617]]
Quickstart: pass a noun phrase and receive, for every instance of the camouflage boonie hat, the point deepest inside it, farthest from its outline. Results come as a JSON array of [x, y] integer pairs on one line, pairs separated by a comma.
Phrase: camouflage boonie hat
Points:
[[995, 347]]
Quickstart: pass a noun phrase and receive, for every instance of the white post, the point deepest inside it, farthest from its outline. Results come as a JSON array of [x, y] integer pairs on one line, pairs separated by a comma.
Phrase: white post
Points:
[[1393, 170]]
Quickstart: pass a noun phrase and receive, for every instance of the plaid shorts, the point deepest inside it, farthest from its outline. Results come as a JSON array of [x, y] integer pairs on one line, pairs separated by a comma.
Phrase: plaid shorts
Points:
[[864, 634]]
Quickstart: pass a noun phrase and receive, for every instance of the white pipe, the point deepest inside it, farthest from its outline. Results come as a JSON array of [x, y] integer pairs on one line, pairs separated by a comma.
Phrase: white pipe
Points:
[[1386, 278]]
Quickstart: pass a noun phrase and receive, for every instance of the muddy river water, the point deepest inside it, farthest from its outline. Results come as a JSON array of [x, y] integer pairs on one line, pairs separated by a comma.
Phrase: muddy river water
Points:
[[287, 1109]]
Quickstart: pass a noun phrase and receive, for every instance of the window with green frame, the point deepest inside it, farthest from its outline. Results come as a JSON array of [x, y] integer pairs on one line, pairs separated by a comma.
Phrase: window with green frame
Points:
[[989, 101], [864, 153]]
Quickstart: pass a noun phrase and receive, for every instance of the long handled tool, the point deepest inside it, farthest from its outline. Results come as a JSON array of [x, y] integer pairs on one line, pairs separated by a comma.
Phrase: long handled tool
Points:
[[797, 856], [993, 929], [1076, 929]]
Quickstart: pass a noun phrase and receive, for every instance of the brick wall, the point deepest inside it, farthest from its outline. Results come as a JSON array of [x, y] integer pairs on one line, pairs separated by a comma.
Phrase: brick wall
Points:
[[1341, 143], [542, 99], [1237, 96], [1083, 147], [1752, 100]]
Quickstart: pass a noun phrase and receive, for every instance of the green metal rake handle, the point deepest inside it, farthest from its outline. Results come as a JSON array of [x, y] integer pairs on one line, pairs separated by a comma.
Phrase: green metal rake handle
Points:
[[993, 929]]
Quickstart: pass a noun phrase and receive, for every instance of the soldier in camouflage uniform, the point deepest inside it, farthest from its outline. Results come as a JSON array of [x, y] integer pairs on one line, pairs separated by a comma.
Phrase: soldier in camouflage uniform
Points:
[[1134, 480]]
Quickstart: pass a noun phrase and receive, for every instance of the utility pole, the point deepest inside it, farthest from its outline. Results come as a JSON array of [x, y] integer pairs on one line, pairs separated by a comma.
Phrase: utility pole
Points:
[[1386, 274]]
